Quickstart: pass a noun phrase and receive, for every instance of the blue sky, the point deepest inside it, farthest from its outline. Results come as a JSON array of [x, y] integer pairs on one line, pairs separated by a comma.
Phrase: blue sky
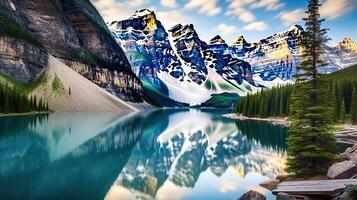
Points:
[[254, 19]]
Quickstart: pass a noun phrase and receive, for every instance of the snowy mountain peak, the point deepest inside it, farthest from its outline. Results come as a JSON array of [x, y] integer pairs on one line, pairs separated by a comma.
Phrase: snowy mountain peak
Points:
[[240, 43], [143, 13], [183, 31], [217, 40], [296, 27], [143, 19]]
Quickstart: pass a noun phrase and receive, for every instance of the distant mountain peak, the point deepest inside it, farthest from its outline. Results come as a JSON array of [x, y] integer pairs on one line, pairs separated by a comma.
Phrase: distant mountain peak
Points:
[[217, 40], [347, 44], [142, 13], [143, 19], [240, 40], [296, 27], [183, 31]]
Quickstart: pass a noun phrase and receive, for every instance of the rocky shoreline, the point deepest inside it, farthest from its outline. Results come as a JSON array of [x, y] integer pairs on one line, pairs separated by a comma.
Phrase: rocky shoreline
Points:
[[347, 134], [345, 169], [275, 121]]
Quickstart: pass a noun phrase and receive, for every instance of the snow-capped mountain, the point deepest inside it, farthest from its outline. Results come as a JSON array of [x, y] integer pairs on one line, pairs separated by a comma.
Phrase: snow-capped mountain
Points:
[[273, 59], [178, 64]]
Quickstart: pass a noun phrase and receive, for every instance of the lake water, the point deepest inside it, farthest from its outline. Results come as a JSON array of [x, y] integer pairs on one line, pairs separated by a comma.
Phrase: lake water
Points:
[[163, 154]]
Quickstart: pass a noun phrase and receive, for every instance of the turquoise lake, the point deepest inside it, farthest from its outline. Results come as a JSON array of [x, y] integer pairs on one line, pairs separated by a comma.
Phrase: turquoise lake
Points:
[[163, 154]]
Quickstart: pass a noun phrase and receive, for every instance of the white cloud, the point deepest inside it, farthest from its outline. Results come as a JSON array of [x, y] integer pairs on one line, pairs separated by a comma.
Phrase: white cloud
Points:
[[236, 9], [242, 14], [256, 26], [332, 9], [268, 4], [291, 17], [169, 3], [225, 29], [171, 18], [208, 7], [240, 3], [114, 10]]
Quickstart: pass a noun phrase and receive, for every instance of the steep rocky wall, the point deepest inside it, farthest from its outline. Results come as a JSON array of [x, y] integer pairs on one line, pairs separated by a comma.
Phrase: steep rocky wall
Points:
[[73, 31], [20, 59], [122, 85]]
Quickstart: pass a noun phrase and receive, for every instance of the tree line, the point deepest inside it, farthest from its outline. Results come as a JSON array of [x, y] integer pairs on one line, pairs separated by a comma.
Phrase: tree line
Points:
[[266, 103], [275, 102], [13, 100]]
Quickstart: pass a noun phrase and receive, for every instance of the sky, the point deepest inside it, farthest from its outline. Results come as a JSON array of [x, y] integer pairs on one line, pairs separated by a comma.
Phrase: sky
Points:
[[254, 19]]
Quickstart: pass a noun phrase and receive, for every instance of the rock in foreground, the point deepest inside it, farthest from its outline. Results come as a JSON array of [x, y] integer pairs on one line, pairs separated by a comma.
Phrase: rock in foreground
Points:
[[270, 184], [252, 195], [342, 170]]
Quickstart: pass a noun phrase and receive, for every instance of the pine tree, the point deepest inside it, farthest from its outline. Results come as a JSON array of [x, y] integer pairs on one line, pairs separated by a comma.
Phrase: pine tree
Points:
[[311, 145], [354, 107], [343, 111], [334, 102]]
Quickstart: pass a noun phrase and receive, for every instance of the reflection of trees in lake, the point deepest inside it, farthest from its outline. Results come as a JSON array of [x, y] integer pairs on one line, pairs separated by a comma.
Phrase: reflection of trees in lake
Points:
[[92, 167], [268, 135], [10, 125]]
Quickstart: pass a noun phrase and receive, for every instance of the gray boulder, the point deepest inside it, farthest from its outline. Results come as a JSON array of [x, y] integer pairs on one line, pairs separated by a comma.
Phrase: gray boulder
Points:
[[344, 196], [285, 196], [342, 170], [270, 184], [350, 153], [252, 195], [281, 177]]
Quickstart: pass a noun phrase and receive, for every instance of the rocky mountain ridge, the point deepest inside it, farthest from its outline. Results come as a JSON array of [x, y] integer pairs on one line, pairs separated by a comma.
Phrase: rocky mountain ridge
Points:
[[72, 31], [176, 60]]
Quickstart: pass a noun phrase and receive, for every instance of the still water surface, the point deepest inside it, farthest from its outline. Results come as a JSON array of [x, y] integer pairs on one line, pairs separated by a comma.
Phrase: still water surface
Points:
[[163, 154]]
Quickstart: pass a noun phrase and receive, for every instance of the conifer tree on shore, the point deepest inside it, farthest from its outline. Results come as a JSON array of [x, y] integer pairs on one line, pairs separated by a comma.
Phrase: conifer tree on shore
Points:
[[354, 107], [13, 100], [311, 145]]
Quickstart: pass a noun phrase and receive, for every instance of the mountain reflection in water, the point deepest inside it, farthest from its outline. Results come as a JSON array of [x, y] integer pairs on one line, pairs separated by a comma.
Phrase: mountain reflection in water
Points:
[[163, 154]]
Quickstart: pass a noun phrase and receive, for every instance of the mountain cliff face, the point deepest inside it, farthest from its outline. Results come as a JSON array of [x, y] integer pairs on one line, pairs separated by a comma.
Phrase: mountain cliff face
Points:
[[21, 59], [74, 32], [177, 63]]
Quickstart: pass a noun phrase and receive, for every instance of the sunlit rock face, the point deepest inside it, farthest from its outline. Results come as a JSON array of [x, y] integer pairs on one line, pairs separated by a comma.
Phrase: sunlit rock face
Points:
[[272, 57], [75, 33], [347, 44], [178, 63], [341, 56]]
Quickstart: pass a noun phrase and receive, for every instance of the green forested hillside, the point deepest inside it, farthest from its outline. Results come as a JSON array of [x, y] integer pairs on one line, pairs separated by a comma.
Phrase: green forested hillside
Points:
[[14, 96], [275, 102]]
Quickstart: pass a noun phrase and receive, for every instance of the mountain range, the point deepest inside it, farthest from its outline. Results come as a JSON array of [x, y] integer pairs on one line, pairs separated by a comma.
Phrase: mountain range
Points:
[[178, 64], [130, 64]]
